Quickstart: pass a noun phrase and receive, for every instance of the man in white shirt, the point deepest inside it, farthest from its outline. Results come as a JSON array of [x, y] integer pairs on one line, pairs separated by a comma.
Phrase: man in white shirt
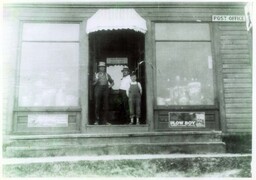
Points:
[[124, 86]]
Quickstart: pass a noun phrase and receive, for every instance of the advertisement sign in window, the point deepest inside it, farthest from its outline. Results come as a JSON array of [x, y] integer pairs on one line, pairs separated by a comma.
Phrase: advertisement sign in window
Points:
[[186, 119]]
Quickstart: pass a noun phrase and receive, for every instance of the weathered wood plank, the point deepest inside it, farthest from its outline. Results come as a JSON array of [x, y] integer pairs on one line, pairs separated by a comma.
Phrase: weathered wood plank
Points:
[[236, 66], [239, 130], [22, 119], [233, 37], [237, 80], [243, 71], [232, 56], [232, 28], [237, 33], [230, 41], [234, 95], [239, 105], [234, 47], [238, 111], [239, 126], [239, 116], [23, 128], [236, 61], [238, 90], [238, 51], [237, 85], [238, 100], [240, 75]]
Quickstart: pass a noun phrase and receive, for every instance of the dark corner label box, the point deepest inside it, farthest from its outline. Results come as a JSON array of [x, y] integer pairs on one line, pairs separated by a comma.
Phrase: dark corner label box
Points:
[[186, 119]]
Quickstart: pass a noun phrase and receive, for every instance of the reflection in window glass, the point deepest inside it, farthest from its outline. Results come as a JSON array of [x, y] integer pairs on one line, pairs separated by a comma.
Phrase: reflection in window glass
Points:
[[50, 32], [49, 74], [184, 73], [182, 31]]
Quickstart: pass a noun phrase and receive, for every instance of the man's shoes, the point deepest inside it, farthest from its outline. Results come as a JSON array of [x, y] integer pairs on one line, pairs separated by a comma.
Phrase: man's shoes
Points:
[[107, 123]]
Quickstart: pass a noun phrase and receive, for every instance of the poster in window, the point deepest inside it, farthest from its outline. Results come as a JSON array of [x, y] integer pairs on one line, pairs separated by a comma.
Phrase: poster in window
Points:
[[187, 119]]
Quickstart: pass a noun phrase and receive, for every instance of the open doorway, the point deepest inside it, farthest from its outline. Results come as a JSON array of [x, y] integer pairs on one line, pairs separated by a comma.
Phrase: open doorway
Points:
[[117, 48]]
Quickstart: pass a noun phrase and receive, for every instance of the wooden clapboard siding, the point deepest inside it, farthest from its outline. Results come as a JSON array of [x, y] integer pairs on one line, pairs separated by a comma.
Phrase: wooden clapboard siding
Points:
[[237, 76]]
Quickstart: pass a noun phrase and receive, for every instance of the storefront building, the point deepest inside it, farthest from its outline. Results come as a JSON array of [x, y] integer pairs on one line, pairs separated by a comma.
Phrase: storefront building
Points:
[[192, 59]]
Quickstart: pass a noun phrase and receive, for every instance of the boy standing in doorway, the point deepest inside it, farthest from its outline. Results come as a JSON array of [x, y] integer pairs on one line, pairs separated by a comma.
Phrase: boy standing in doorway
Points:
[[134, 94], [102, 82]]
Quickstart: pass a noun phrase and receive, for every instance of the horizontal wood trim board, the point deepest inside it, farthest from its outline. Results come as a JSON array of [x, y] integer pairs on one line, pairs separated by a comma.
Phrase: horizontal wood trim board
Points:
[[239, 130], [238, 90], [239, 100], [238, 51], [24, 128], [238, 28], [237, 80], [232, 75], [22, 119], [234, 47], [235, 85], [235, 111], [233, 37], [234, 32], [235, 121], [242, 56], [235, 61], [236, 66], [237, 71], [234, 95], [232, 24], [235, 116], [241, 125], [239, 106]]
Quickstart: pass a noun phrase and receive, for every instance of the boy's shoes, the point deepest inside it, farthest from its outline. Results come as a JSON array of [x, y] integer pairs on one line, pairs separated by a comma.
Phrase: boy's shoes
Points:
[[96, 123], [131, 123], [106, 123]]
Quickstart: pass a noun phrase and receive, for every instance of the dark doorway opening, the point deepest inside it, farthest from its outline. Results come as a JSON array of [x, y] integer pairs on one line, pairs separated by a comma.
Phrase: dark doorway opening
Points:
[[124, 44]]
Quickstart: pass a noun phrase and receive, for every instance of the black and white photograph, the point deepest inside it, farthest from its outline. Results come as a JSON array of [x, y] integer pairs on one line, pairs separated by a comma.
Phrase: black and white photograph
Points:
[[128, 89]]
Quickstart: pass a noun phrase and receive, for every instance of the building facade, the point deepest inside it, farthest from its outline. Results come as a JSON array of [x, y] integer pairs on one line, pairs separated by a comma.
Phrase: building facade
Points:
[[193, 60]]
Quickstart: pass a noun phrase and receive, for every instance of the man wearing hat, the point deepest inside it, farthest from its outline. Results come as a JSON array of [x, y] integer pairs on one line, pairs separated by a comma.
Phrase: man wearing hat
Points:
[[123, 92], [102, 82]]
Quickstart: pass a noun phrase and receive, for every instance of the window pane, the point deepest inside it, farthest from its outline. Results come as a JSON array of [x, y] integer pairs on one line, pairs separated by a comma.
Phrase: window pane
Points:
[[182, 31], [49, 74], [50, 32], [184, 73]]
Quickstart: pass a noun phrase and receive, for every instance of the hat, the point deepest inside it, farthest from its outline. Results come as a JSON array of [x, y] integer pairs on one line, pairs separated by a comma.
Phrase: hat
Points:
[[102, 64], [125, 68]]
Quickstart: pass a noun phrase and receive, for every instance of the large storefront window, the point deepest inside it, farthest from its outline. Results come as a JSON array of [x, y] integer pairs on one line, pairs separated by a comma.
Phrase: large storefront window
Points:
[[184, 64], [49, 67]]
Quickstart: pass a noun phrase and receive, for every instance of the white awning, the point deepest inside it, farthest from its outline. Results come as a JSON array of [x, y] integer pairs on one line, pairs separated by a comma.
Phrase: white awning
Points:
[[116, 19]]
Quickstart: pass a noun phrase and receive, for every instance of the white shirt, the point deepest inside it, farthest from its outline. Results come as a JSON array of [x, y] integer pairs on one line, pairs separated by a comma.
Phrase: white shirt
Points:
[[125, 83]]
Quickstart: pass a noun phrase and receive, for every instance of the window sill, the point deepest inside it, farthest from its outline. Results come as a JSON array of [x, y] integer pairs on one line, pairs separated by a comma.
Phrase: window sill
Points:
[[187, 108], [47, 109]]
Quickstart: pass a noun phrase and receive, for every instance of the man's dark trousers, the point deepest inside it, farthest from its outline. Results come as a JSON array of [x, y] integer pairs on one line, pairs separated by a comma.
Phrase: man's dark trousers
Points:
[[124, 106], [101, 93]]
